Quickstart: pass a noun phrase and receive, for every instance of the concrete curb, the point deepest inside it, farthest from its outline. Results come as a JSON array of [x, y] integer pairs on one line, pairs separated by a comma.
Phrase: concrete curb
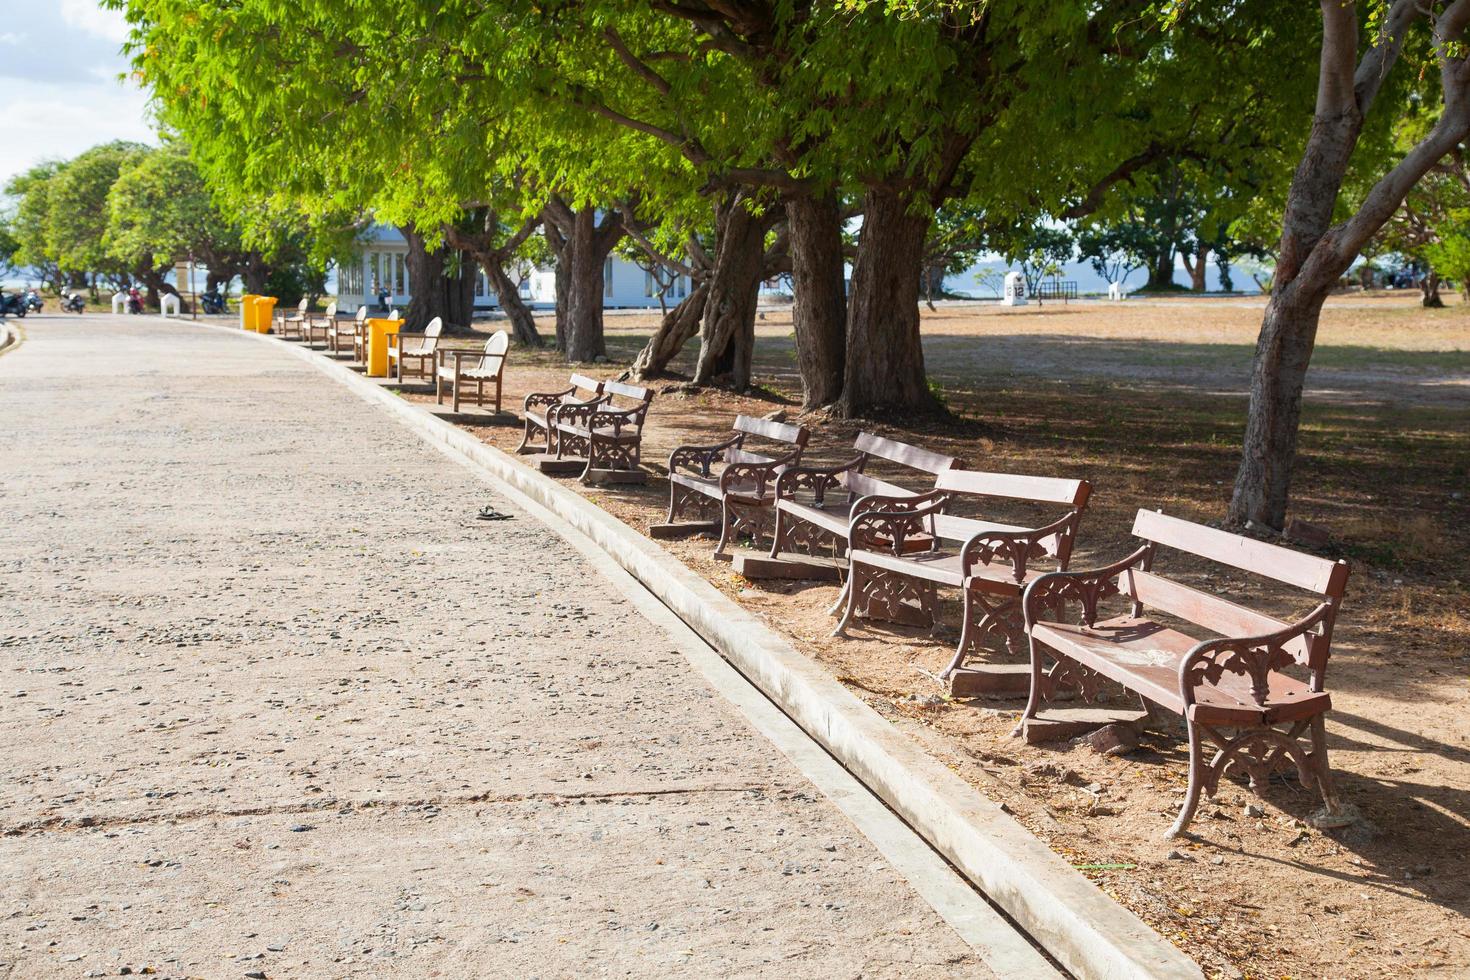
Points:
[[10, 337], [1087, 932]]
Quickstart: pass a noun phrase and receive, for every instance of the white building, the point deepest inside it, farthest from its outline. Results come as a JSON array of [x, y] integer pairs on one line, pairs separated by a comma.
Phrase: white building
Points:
[[384, 265]]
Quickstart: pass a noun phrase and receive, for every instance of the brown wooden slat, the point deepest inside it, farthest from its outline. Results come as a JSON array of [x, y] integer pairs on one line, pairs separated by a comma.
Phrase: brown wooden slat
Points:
[[1319, 575], [1043, 489], [1211, 612], [586, 383], [627, 391], [780, 431], [863, 485], [903, 454], [953, 528]]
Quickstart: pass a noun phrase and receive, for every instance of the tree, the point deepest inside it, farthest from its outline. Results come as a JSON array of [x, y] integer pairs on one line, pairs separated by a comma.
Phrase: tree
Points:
[[28, 223], [77, 214], [1114, 251], [1045, 250], [1357, 84]]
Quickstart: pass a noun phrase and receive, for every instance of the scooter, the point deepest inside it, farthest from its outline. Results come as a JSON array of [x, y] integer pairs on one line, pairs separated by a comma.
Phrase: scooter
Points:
[[213, 302], [73, 303], [135, 301], [12, 305], [33, 301]]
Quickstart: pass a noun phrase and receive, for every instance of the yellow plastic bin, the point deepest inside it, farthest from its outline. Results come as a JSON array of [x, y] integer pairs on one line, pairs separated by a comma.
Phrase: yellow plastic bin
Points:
[[247, 311], [265, 308], [377, 355]]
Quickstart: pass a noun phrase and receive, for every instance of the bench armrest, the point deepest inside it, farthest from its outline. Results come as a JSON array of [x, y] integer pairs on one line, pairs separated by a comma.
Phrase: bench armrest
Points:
[[1088, 588], [893, 519], [1255, 656], [817, 479], [573, 413], [698, 459], [762, 473], [617, 418], [1018, 547], [547, 398]]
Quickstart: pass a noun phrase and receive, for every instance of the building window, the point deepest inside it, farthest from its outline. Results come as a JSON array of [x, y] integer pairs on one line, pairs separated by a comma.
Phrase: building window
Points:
[[607, 278]]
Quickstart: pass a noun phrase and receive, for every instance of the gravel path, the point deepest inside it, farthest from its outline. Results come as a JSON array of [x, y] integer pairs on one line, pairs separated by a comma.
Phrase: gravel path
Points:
[[274, 704]]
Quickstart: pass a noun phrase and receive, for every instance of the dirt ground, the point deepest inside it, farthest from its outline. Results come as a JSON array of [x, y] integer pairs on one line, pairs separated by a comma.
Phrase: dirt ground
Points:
[[1146, 400]]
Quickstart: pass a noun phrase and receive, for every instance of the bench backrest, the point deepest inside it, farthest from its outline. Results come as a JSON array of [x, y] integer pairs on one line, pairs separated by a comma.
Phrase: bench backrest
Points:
[[582, 383], [301, 306], [1071, 494], [331, 310], [869, 447], [494, 355], [362, 312], [627, 398], [1323, 578], [794, 436], [632, 393]]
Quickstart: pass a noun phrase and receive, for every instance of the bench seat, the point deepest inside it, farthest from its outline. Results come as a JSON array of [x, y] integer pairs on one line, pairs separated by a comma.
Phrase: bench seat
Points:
[[1236, 684], [1145, 656]]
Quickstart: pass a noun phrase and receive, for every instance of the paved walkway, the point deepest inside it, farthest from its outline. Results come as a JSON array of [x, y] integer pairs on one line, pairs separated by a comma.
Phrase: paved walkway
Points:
[[275, 705]]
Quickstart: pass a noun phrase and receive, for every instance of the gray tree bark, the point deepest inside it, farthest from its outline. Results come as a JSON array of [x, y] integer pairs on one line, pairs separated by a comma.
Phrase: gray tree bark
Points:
[[884, 358], [1314, 252], [820, 288], [727, 331]]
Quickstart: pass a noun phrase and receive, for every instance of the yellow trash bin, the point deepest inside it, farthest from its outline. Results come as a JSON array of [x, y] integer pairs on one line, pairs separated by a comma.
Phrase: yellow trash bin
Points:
[[378, 331], [265, 308], [247, 311]]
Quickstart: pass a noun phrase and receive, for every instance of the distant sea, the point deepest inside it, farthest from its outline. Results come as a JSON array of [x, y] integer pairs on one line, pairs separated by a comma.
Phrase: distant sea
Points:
[[1088, 281]]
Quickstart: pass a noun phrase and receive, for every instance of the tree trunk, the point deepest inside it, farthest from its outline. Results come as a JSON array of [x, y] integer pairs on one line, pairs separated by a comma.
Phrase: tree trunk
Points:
[[508, 294], [1196, 265], [818, 283], [439, 284], [678, 326], [885, 357], [727, 333], [257, 271], [1161, 271], [1429, 288], [1283, 352], [585, 245]]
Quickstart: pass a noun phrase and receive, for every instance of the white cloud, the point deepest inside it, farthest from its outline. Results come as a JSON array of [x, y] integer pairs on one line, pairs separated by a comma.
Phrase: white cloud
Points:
[[12, 38], [45, 120], [88, 17]]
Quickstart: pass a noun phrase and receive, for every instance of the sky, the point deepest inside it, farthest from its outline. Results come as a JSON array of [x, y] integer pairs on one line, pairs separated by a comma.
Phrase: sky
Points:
[[59, 88]]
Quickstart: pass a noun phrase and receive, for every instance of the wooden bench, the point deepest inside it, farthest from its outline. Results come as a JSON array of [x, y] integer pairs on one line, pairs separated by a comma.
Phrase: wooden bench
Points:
[[315, 325], [291, 325], [990, 563], [607, 434], [807, 519], [743, 490], [539, 411], [415, 354], [342, 334], [461, 369], [1228, 683]]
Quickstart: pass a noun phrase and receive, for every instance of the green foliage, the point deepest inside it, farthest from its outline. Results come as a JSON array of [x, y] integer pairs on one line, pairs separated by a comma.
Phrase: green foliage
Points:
[[1043, 254], [77, 208]]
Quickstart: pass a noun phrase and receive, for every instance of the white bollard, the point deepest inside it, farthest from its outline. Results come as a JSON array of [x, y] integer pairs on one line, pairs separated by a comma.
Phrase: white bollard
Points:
[[119, 302], [168, 301], [1115, 291]]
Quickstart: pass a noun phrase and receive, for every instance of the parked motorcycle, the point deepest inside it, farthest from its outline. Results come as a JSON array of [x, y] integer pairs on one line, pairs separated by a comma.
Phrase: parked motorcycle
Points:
[[135, 301], [213, 302], [12, 305], [33, 301], [73, 303]]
